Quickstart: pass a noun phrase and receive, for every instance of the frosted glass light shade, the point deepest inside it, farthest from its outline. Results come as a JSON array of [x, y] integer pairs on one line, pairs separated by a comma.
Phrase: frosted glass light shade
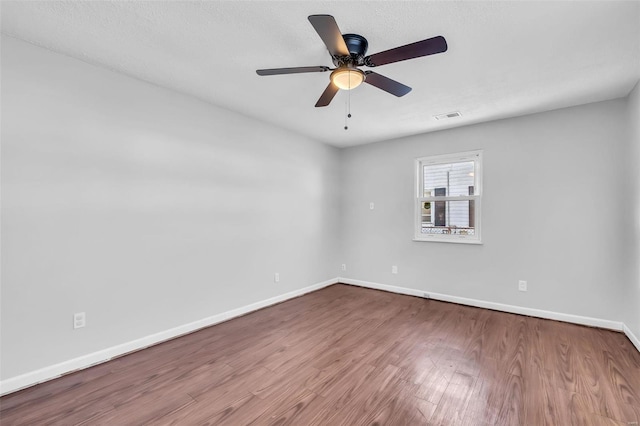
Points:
[[347, 78]]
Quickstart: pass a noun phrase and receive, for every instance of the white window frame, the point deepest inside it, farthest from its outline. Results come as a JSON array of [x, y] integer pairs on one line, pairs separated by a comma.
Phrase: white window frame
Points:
[[475, 156]]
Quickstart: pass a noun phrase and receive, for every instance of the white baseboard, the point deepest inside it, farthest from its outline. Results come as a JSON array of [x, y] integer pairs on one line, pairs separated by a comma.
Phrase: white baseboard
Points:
[[576, 319], [51, 372], [634, 339]]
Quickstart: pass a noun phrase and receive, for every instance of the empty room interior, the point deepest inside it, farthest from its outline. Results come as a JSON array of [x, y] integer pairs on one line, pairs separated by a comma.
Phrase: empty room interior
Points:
[[320, 213]]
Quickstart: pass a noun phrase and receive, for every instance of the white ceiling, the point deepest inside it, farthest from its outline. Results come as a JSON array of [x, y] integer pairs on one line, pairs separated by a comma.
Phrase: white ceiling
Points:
[[504, 59]]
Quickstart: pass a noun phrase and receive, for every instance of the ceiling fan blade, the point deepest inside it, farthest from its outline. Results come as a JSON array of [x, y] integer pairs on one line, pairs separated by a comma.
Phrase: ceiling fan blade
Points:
[[386, 84], [295, 70], [426, 47], [330, 34], [327, 95]]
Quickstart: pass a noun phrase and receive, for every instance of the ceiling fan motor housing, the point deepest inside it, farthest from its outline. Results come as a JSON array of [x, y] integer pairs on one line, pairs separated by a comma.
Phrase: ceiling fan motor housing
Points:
[[357, 46]]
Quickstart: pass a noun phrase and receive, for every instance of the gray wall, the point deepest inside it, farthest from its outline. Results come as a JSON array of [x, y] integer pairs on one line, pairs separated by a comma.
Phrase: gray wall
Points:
[[632, 317], [149, 210], [144, 208], [550, 213]]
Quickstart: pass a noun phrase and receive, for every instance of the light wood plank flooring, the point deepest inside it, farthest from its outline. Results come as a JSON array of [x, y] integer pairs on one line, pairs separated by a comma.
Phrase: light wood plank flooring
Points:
[[349, 356]]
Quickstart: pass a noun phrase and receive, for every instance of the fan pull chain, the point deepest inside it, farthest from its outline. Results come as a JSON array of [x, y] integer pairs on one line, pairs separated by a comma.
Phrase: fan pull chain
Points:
[[348, 104], [345, 115]]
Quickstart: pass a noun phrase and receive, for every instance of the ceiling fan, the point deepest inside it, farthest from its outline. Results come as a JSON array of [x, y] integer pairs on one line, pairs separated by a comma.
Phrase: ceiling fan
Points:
[[348, 53]]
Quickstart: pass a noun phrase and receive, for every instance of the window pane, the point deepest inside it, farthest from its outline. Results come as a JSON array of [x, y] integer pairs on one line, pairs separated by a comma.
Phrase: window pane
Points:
[[448, 217], [450, 179]]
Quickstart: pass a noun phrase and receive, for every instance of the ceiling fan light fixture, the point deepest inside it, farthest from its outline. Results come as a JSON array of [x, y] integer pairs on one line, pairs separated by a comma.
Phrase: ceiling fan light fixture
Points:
[[348, 53], [347, 78]]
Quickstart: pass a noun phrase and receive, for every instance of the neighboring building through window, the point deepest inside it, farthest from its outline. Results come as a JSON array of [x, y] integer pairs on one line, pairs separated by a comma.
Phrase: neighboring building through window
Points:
[[448, 197]]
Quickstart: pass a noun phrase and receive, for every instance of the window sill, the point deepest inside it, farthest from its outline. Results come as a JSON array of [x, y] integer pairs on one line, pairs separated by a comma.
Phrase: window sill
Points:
[[447, 240]]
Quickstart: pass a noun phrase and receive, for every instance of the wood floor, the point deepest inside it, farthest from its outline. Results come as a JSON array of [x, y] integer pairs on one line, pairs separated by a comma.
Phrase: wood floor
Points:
[[348, 355]]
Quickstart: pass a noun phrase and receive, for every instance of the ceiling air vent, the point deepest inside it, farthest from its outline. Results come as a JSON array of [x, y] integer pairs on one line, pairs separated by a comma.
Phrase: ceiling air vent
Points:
[[448, 115]]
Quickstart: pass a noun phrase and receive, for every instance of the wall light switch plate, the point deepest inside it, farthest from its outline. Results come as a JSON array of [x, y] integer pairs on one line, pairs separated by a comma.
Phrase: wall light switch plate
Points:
[[522, 285], [79, 320]]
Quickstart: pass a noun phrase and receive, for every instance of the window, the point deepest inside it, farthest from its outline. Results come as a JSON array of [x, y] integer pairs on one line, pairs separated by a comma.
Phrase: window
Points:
[[448, 198]]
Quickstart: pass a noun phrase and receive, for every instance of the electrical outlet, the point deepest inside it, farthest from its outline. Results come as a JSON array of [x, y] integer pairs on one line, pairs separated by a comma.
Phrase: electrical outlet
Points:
[[79, 320], [371, 206], [522, 285], [425, 295], [276, 277], [394, 269], [344, 267]]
